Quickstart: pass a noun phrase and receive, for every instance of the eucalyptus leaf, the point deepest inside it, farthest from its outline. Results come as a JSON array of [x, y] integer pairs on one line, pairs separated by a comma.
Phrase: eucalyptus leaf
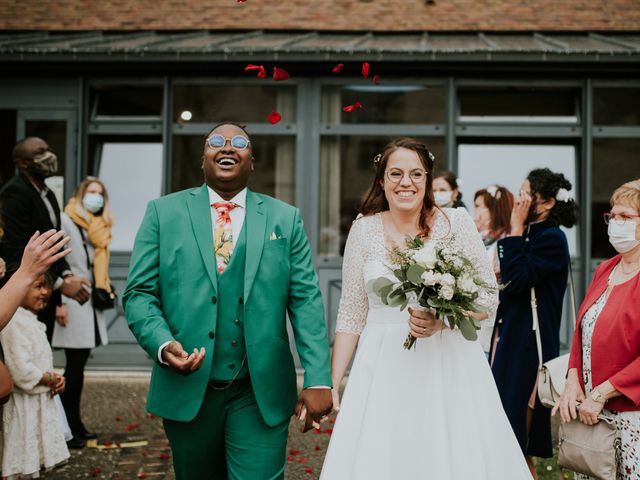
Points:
[[379, 283], [414, 273], [400, 275], [394, 300], [384, 292], [468, 329]]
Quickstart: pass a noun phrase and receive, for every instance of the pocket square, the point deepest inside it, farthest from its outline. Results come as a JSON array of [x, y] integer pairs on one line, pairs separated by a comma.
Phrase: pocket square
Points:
[[274, 236]]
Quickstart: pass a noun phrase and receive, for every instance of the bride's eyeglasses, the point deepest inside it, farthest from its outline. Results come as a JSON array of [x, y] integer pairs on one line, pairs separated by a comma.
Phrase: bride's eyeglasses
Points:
[[417, 175]]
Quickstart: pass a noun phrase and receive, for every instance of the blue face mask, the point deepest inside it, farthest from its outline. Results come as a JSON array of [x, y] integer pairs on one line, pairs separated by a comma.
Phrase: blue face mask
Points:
[[93, 202]]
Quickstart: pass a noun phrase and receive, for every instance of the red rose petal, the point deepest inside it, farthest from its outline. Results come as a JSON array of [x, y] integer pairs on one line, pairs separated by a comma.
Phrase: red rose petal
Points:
[[309, 470], [317, 431], [376, 79], [274, 117], [131, 426], [96, 471], [119, 419], [302, 460], [317, 448], [328, 430], [164, 456], [151, 416], [241, 1], [333, 420], [351, 108], [107, 444], [142, 475], [262, 73], [294, 452], [365, 69], [280, 74], [338, 68], [289, 459]]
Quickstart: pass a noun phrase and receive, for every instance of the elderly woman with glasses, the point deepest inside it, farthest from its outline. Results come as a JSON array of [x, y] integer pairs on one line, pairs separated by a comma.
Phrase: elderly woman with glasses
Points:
[[604, 365]]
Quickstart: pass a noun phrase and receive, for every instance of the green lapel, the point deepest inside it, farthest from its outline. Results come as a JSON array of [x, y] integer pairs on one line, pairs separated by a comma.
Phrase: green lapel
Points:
[[200, 213], [255, 221]]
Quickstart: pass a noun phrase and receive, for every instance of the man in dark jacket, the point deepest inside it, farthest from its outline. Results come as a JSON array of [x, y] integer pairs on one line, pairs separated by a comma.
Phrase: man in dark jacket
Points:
[[27, 205]]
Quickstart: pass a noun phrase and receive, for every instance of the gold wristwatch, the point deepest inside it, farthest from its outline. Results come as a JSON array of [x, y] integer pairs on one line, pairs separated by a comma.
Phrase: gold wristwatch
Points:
[[597, 396]]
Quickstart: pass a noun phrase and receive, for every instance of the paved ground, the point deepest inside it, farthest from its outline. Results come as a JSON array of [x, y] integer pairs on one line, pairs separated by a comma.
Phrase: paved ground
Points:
[[114, 407]]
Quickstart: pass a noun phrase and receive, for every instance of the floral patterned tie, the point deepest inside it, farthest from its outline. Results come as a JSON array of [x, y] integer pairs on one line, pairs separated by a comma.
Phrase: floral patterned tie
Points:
[[223, 235]]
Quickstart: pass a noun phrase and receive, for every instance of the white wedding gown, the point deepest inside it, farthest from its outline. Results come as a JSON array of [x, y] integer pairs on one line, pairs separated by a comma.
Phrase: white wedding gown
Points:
[[429, 413]]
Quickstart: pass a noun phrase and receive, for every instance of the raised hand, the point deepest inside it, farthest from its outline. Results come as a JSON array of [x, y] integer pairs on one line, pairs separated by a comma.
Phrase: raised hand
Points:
[[520, 213], [42, 251], [180, 360]]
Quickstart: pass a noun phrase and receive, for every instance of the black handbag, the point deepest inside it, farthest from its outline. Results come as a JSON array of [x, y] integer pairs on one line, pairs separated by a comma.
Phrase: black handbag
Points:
[[100, 298]]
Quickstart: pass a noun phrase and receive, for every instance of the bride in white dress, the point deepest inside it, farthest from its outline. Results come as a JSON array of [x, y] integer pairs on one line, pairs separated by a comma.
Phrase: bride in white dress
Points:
[[432, 412]]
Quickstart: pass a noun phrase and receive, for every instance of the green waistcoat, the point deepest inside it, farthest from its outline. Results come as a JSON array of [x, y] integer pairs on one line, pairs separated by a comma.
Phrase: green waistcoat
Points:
[[229, 349]]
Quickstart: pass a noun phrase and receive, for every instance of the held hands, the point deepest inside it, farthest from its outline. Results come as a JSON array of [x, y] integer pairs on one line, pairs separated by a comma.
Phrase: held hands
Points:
[[62, 315], [54, 381], [423, 323], [77, 288], [520, 213], [180, 360], [313, 406]]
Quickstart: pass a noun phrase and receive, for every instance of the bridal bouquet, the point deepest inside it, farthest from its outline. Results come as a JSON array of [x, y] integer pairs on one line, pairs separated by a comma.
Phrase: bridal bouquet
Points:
[[433, 276]]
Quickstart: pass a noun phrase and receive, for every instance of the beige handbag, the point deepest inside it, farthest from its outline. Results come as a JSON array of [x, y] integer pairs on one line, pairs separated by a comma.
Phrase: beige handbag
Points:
[[589, 449]]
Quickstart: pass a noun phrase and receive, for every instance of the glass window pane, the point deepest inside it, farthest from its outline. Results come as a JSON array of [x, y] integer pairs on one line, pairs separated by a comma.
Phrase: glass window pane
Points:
[[129, 101], [616, 106], [236, 103], [508, 165], [384, 104], [519, 104], [122, 166], [615, 161], [346, 172], [54, 132], [275, 166], [8, 127]]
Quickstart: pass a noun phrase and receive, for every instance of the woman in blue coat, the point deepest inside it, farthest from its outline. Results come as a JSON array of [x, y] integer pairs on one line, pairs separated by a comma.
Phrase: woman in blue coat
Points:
[[535, 254]]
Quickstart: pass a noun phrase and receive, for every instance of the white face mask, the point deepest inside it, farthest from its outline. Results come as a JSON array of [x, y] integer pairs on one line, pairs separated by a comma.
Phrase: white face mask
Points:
[[93, 202], [623, 237], [442, 198]]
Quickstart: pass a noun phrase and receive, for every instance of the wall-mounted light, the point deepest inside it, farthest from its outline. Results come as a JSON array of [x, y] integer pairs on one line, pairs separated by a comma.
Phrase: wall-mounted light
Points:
[[186, 115]]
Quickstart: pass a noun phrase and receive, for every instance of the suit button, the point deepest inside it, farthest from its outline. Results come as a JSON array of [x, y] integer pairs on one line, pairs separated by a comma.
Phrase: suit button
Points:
[[212, 335], [234, 343], [241, 300], [237, 321], [232, 366], [214, 300]]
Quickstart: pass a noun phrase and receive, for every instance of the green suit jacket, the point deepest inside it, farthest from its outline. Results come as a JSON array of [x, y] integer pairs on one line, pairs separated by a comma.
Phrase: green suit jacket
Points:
[[172, 292]]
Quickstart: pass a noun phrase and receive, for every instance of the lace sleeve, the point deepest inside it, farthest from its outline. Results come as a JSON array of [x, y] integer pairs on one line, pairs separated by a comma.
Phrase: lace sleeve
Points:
[[468, 240], [352, 312]]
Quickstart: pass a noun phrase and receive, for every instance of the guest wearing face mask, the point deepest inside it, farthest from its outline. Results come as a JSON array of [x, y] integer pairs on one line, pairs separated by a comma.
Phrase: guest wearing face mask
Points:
[[446, 190], [534, 254], [27, 206], [492, 216], [87, 219], [604, 365]]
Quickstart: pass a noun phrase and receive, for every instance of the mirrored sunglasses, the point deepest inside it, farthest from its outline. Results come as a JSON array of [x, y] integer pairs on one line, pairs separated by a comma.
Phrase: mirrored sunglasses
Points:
[[239, 142]]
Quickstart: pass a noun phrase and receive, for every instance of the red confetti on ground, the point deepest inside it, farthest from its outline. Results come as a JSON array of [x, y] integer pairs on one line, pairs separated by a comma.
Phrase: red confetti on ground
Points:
[[96, 471], [338, 68], [376, 79], [151, 416], [262, 73], [142, 475], [119, 419], [290, 459], [107, 444], [317, 448], [131, 426], [309, 470], [280, 74], [302, 460], [328, 430], [333, 420], [294, 452], [241, 1], [274, 117], [164, 456], [317, 431], [365, 69], [351, 108]]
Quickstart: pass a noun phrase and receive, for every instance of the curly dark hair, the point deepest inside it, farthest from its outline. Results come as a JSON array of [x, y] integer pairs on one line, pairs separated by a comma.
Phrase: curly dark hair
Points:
[[546, 184]]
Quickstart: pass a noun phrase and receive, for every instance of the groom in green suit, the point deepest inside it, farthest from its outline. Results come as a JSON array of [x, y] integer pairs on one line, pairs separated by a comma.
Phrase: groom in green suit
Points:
[[214, 272]]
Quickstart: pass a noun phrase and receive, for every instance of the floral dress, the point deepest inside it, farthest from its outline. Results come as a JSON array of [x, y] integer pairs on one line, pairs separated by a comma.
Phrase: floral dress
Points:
[[628, 423]]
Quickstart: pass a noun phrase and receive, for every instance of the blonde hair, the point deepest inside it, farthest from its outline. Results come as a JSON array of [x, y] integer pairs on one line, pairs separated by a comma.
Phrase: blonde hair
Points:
[[627, 194], [79, 194]]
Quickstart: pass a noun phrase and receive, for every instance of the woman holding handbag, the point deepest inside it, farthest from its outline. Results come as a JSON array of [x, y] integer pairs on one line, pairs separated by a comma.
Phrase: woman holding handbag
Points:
[[535, 255], [604, 365], [87, 219]]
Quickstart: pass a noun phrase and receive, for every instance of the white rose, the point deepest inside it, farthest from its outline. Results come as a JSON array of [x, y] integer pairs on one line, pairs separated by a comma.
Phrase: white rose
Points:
[[426, 257], [446, 292], [429, 278], [466, 284], [448, 279]]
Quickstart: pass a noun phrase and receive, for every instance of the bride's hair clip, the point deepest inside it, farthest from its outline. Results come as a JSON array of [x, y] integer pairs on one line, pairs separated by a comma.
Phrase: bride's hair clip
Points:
[[494, 191], [377, 159], [563, 195]]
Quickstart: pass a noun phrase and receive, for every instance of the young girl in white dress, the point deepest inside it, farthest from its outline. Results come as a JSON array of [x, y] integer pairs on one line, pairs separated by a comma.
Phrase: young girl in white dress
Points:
[[32, 428], [432, 412]]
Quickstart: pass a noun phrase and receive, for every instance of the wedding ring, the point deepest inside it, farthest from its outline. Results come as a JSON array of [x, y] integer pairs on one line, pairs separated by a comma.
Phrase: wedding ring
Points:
[[424, 330]]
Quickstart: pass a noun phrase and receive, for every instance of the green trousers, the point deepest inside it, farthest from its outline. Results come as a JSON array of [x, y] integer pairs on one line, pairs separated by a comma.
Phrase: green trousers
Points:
[[228, 439]]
